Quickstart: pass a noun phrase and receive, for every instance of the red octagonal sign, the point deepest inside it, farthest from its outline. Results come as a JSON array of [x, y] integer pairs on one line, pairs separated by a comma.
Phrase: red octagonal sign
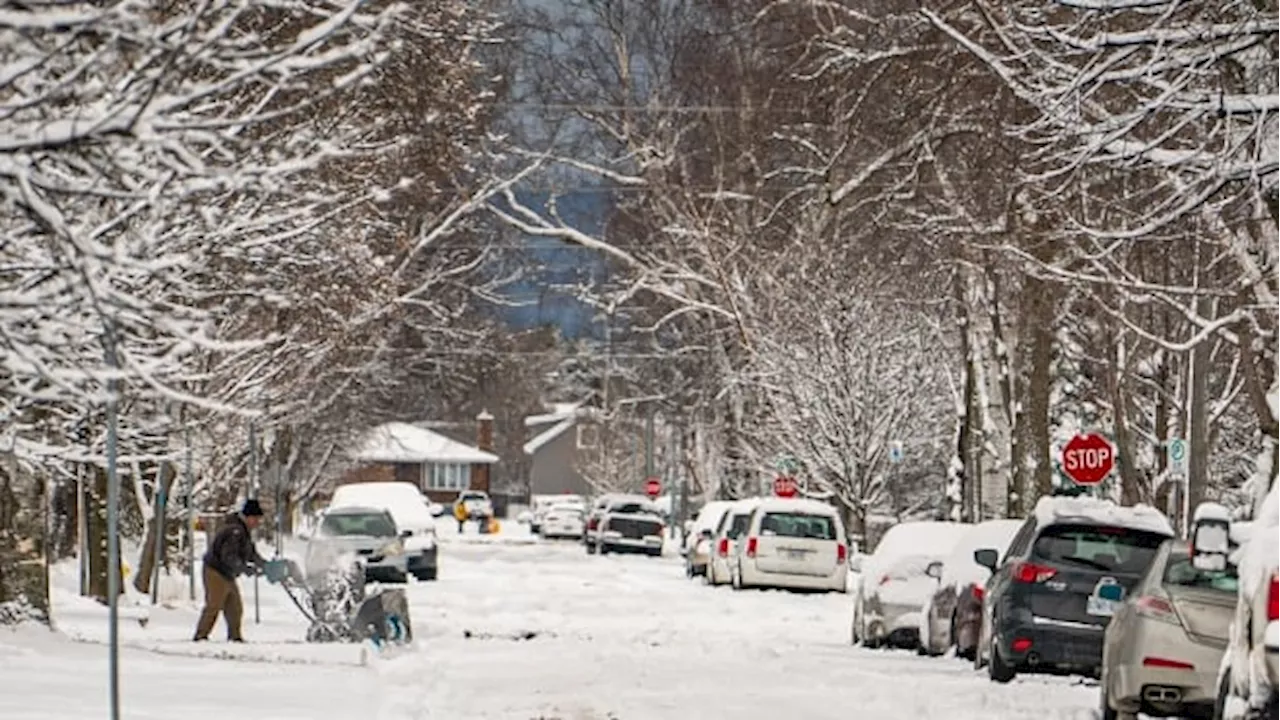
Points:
[[785, 486], [1087, 459], [653, 487]]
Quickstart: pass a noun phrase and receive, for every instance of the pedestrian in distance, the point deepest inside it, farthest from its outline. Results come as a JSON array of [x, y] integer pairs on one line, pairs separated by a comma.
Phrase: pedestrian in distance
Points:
[[230, 555], [460, 514]]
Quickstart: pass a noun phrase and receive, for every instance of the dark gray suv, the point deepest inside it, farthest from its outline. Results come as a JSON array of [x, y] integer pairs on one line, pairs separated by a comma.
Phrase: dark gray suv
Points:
[[1066, 572]]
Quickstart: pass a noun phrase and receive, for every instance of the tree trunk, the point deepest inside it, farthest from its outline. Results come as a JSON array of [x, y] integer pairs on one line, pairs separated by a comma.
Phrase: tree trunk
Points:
[[1197, 420], [1041, 309], [155, 530], [24, 580], [96, 510], [967, 415]]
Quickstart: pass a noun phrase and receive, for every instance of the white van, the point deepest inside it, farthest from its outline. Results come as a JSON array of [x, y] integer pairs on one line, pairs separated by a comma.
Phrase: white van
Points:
[[793, 543]]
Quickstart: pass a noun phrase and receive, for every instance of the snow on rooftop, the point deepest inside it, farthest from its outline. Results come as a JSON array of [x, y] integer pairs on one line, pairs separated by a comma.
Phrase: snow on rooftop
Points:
[[559, 412], [1103, 512], [548, 435], [804, 505], [404, 443], [405, 502], [960, 569]]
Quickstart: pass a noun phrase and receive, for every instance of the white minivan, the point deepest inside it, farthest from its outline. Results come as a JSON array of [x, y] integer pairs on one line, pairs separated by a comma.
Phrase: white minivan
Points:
[[793, 543]]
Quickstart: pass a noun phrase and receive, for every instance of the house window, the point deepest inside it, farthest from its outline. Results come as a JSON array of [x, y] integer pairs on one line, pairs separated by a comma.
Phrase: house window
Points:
[[446, 476]]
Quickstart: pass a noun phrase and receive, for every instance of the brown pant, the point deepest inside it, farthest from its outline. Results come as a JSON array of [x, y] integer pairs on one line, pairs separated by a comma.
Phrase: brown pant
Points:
[[220, 596]]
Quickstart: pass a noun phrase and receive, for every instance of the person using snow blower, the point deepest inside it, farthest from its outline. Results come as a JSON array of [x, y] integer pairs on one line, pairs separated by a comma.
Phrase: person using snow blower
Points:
[[230, 555]]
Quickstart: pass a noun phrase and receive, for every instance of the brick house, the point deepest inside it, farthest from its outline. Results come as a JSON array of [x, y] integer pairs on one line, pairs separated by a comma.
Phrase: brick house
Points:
[[440, 466]]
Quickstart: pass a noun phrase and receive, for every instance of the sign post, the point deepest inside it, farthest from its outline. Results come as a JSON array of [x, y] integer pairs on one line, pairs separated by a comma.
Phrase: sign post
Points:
[[1088, 459], [1175, 455]]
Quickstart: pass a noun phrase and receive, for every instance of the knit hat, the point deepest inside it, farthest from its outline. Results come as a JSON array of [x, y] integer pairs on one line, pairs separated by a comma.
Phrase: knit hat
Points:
[[251, 508]]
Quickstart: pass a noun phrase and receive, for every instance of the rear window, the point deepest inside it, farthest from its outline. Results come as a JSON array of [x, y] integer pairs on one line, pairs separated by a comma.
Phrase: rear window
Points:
[[738, 527], [1179, 571], [798, 525], [370, 524], [1102, 548]]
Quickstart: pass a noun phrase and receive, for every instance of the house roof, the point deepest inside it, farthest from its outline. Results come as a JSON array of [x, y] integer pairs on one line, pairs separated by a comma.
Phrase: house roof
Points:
[[402, 442], [559, 413], [549, 434]]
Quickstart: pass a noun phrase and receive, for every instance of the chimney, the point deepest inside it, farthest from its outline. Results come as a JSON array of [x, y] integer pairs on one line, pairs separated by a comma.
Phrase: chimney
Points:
[[484, 431]]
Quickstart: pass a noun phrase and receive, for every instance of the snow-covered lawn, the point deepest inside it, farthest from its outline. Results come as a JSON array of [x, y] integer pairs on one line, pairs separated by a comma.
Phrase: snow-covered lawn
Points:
[[521, 631]]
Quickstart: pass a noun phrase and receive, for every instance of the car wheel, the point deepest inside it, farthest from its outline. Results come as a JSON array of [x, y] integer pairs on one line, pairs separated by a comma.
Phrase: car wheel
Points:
[[735, 577], [427, 574], [604, 549], [997, 669], [591, 548]]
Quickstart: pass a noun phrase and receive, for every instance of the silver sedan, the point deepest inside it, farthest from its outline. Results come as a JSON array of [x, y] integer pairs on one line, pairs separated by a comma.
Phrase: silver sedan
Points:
[[1162, 648]]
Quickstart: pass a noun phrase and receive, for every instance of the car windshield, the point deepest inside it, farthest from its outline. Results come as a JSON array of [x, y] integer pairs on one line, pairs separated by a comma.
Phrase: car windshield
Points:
[[369, 524], [473, 496], [1180, 572], [1103, 548], [738, 526], [798, 525]]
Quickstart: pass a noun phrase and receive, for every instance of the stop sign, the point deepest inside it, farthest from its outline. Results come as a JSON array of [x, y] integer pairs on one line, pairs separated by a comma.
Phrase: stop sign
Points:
[[653, 487], [785, 486], [1087, 459]]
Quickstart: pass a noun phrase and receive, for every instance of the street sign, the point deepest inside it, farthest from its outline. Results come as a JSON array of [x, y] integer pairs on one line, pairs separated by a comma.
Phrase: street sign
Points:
[[1087, 459], [895, 452], [1176, 455], [652, 487], [785, 486]]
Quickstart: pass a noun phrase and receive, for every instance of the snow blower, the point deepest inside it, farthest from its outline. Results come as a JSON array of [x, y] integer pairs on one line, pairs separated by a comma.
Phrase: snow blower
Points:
[[336, 602]]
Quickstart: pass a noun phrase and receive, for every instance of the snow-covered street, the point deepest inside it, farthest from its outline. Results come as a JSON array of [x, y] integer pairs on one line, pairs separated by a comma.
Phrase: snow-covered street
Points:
[[522, 629]]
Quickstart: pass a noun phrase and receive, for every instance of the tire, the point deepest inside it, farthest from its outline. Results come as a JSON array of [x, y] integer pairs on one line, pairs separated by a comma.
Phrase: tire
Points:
[[427, 574], [736, 579], [997, 669], [604, 549], [591, 548], [1106, 712]]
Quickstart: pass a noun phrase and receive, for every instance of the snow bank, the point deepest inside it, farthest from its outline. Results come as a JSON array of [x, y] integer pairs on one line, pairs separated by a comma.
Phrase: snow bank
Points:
[[405, 503], [959, 569], [1051, 510]]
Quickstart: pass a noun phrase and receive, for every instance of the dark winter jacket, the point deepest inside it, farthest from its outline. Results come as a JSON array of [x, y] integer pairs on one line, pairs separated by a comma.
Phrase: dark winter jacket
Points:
[[232, 552]]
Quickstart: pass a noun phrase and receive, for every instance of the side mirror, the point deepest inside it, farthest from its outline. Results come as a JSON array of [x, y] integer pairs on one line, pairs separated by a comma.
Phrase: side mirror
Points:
[[1210, 544], [706, 534], [406, 534], [934, 570], [987, 558]]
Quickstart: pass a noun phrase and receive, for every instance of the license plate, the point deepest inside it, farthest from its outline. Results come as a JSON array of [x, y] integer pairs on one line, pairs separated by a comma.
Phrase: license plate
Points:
[[1101, 606], [795, 554]]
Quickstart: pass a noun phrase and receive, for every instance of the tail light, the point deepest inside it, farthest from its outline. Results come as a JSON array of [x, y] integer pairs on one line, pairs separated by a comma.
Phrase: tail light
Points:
[[885, 580], [593, 524], [978, 592], [1159, 662], [1029, 572], [842, 553], [1273, 600], [1020, 645], [1156, 608], [722, 548], [753, 544]]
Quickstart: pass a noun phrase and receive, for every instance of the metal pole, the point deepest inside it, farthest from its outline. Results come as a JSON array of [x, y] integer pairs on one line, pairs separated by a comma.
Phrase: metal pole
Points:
[[82, 532], [113, 533], [191, 519], [253, 493], [648, 443]]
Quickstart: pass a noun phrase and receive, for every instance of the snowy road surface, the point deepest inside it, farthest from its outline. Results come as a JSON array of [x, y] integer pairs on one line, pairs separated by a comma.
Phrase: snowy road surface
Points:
[[554, 634]]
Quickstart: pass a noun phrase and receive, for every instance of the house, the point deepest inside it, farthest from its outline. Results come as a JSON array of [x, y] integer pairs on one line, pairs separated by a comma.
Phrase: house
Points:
[[440, 466], [555, 451]]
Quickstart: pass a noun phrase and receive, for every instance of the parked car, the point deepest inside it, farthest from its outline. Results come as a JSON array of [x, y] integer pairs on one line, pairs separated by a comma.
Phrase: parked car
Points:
[[1066, 573], [543, 503], [563, 521], [732, 528], [952, 616], [1246, 686], [365, 533], [897, 579], [412, 515], [1162, 649], [591, 538], [631, 526], [476, 503], [698, 539], [795, 544]]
